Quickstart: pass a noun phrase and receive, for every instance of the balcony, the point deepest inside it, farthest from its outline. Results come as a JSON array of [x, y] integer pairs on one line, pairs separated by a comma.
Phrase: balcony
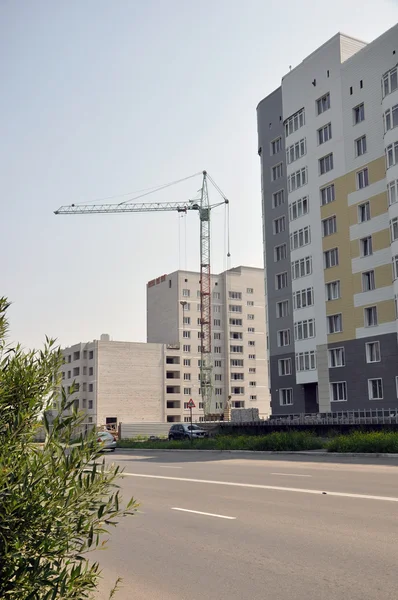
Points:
[[173, 404], [173, 374], [172, 360], [173, 389]]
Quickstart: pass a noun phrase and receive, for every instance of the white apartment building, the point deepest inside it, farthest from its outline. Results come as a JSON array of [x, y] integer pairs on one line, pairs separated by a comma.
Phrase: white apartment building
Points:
[[328, 142], [238, 333], [123, 382]]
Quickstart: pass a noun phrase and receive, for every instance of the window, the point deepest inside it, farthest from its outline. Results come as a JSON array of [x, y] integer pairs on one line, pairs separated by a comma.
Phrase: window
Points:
[[217, 322], [276, 146], [325, 133], [294, 122], [281, 280], [251, 343], [389, 83], [252, 369], [323, 104], [278, 198], [282, 309], [276, 172], [298, 208], [250, 329], [392, 189], [216, 308], [395, 266], [91, 354], [236, 335], [286, 396], [187, 320], [297, 179], [187, 376], [280, 252], [368, 281], [237, 376], [279, 225], [296, 151], [236, 362], [186, 334], [392, 154], [359, 113], [375, 388], [235, 295], [283, 337], [326, 164], [366, 246], [186, 348], [364, 212], [237, 391], [394, 229], [253, 397], [186, 293], [303, 330], [336, 358], [300, 237], [303, 298], [217, 363], [90, 388], [235, 308], [237, 322], [218, 391], [332, 290], [250, 303], [338, 391], [362, 178], [252, 384], [391, 118], [76, 371], [372, 351], [371, 316], [331, 258], [217, 377], [187, 391], [360, 146], [249, 290], [217, 349], [252, 357], [329, 226], [327, 194], [306, 361], [335, 323], [302, 267], [216, 295], [90, 404], [250, 317], [284, 366], [187, 362], [217, 336], [235, 349]]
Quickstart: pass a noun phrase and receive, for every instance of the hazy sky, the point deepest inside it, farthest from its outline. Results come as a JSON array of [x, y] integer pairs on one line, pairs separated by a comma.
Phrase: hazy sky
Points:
[[105, 97]]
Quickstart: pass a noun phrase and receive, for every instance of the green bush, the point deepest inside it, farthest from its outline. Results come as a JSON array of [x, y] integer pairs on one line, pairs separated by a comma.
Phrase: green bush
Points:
[[56, 502], [288, 441], [359, 441]]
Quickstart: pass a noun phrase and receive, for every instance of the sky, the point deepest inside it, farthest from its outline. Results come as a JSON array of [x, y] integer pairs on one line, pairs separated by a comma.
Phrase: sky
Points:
[[104, 98]]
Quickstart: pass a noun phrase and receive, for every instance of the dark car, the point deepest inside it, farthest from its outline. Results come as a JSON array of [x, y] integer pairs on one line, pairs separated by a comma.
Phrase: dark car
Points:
[[186, 432]]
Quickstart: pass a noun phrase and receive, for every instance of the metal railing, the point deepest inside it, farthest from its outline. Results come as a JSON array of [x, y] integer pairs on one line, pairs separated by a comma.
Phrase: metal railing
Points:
[[367, 416]]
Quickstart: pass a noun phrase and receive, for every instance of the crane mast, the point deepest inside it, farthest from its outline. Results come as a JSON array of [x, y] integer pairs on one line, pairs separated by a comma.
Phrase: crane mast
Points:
[[204, 208]]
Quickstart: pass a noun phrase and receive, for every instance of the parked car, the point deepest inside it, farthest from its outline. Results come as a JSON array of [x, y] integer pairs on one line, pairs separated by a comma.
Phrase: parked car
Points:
[[186, 432], [106, 440]]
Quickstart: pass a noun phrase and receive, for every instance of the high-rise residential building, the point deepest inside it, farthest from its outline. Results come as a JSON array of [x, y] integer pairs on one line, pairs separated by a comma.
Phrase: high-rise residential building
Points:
[[238, 335], [328, 144]]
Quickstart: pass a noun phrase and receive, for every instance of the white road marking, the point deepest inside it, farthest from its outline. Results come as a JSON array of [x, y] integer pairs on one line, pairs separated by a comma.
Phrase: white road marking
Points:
[[265, 487], [291, 474], [168, 467], [198, 512]]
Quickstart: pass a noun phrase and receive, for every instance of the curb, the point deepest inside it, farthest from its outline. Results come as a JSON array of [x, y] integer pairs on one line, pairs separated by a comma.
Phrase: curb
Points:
[[273, 452]]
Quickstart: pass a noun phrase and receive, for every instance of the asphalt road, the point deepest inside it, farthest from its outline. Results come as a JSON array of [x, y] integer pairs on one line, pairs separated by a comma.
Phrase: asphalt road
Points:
[[269, 532]]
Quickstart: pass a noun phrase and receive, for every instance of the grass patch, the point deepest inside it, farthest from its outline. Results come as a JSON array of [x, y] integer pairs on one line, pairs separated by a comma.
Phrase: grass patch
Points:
[[288, 441], [360, 441]]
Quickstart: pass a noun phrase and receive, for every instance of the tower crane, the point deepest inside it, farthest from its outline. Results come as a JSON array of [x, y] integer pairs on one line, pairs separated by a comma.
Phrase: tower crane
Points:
[[204, 208]]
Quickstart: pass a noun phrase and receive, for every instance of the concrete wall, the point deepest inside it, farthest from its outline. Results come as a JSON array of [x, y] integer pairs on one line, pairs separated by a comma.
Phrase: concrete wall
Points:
[[130, 382], [163, 310]]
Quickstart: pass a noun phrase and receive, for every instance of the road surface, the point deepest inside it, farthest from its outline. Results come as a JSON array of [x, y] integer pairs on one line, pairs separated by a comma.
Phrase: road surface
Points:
[[243, 527]]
